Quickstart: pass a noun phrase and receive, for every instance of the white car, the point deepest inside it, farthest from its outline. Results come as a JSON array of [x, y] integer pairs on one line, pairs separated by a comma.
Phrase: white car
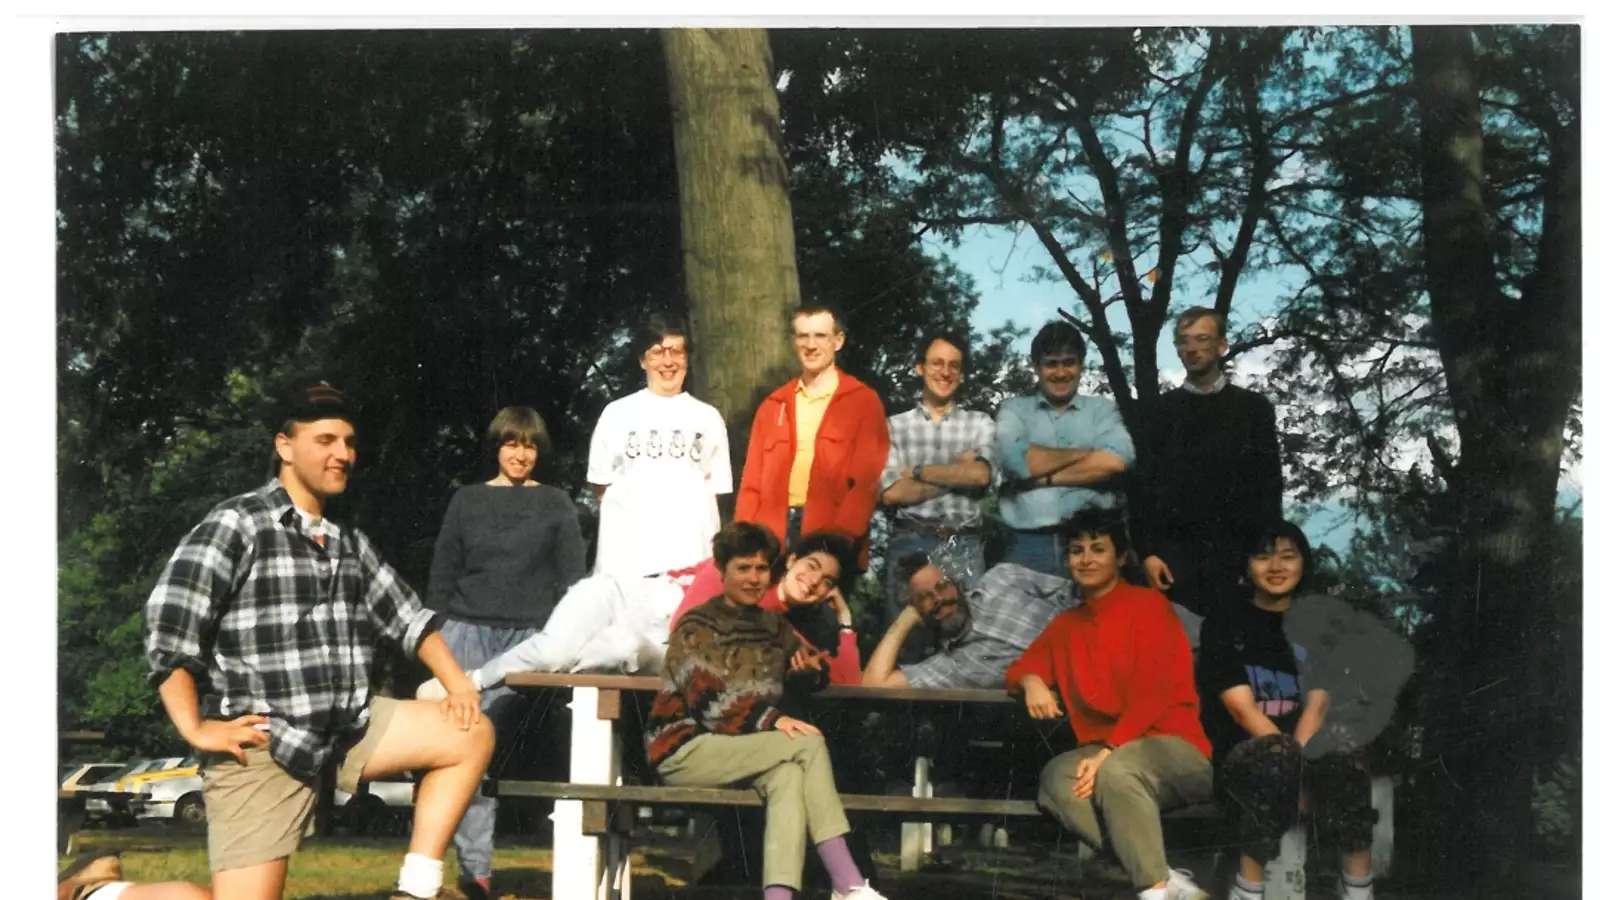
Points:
[[108, 801], [177, 799], [78, 779]]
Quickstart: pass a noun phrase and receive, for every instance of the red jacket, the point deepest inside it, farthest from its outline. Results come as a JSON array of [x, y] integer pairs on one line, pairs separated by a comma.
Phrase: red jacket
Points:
[[1123, 667], [852, 446]]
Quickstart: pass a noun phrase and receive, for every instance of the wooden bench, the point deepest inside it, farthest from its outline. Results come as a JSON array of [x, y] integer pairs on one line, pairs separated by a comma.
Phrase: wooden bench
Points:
[[595, 811]]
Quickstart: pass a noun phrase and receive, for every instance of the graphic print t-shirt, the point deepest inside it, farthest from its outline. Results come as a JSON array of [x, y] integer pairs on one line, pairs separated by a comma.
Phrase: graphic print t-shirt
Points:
[[1246, 646], [663, 461]]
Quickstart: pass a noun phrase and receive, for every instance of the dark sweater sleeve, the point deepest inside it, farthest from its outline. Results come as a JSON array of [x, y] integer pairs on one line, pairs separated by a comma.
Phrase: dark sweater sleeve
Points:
[[1145, 521], [1263, 469], [449, 558], [570, 550]]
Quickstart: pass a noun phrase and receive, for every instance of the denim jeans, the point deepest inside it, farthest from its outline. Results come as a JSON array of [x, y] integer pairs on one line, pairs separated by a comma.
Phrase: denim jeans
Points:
[[473, 645], [1041, 551]]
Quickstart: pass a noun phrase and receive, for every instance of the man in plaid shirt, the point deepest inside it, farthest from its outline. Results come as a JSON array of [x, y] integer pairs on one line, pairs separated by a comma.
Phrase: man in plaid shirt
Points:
[[260, 637], [937, 474], [977, 633]]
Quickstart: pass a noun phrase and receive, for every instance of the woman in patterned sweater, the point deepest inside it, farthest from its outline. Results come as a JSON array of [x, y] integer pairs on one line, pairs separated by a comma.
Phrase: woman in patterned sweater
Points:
[[718, 719]]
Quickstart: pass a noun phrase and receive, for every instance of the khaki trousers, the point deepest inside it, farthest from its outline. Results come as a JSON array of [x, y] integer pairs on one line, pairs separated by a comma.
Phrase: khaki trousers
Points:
[[1135, 783], [793, 775]]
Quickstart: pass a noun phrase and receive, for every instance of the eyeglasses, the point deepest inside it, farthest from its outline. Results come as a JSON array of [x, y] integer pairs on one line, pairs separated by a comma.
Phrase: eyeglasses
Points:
[[658, 352], [934, 595]]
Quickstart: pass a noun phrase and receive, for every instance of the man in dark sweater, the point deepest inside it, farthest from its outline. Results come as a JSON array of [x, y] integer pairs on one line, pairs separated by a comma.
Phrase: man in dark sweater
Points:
[[1209, 476]]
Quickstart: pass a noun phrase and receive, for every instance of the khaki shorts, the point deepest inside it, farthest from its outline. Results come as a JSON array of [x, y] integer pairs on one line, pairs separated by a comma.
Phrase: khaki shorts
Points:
[[258, 812]]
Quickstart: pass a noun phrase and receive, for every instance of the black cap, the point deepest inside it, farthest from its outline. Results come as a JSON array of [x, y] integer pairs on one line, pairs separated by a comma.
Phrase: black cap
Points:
[[311, 401]]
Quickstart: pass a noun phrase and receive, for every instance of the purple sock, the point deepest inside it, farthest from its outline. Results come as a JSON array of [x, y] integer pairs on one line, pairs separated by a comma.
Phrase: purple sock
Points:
[[777, 892], [841, 868]]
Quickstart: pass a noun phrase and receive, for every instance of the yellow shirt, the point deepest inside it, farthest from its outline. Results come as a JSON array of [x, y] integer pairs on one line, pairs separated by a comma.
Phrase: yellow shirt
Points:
[[809, 405]]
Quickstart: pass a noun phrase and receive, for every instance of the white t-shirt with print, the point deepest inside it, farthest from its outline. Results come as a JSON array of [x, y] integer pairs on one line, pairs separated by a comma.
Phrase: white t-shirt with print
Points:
[[663, 461]]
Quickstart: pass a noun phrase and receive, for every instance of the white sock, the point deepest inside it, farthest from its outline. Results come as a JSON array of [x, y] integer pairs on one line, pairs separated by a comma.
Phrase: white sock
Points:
[[421, 876], [1159, 893], [1247, 886], [1355, 888]]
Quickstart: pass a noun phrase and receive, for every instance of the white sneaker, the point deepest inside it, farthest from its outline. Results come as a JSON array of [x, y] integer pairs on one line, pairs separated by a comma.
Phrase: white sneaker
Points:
[[862, 891], [1181, 886]]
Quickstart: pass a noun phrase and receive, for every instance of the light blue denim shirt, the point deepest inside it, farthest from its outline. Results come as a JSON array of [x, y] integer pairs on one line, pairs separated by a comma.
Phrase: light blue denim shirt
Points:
[[1087, 423]]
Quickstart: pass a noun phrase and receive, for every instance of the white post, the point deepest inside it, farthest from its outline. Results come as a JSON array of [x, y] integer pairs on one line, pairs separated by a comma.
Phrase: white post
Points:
[[916, 838], [580, 869], [1286, 875], [1383, 831]]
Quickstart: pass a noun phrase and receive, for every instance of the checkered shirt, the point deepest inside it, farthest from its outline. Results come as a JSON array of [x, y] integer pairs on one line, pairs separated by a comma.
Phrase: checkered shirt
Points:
[[916, 439], [1011, 605], [269, 622]]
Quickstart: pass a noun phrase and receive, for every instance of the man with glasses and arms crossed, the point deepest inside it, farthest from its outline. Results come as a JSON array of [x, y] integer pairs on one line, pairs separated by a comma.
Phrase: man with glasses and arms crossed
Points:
[[937, 474], [1060, 451]]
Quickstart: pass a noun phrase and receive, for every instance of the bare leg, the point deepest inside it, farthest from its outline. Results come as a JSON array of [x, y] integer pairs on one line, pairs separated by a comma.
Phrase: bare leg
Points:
[[263, 881], [165, 890], [421, 737]]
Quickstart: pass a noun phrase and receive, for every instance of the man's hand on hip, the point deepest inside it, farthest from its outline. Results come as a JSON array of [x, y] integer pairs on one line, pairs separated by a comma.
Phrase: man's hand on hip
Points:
[[229, 736]]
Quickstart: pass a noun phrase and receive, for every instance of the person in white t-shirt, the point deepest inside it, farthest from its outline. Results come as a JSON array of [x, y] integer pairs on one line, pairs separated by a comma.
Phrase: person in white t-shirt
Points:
[[658, 450]]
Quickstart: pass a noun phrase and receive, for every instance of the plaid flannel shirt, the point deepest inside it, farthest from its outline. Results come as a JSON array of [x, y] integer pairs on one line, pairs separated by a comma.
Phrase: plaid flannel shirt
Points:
[[1011, 604], [269, 622], [916, 439]]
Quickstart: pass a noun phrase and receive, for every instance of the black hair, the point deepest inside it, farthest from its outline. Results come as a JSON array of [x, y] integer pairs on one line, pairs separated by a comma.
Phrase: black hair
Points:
[[909, 565], [743, 539], [1113, 523], [1266, 539], [1056, 337], [1098, 520], [836, 544]]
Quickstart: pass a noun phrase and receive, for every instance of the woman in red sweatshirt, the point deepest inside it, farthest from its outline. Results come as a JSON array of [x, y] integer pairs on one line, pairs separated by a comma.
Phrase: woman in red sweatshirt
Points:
[[1122, 666]]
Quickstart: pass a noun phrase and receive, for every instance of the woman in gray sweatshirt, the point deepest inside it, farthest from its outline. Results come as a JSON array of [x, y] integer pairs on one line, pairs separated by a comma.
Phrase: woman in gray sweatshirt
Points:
[[507, 551]]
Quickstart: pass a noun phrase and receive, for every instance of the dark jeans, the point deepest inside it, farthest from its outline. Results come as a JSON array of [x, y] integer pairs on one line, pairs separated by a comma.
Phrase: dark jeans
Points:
[[1042, 551], [1260, 781]]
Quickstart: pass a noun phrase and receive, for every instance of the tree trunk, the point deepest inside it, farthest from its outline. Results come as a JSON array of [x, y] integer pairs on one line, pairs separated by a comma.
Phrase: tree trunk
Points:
[[1511, 366], [738, 234]]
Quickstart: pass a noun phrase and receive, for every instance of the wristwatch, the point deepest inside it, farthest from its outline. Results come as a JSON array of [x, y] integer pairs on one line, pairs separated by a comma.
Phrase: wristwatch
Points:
[[916, 472]]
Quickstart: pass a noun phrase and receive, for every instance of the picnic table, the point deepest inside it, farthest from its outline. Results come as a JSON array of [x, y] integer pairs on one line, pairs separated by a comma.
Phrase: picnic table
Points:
[[594, 808]]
